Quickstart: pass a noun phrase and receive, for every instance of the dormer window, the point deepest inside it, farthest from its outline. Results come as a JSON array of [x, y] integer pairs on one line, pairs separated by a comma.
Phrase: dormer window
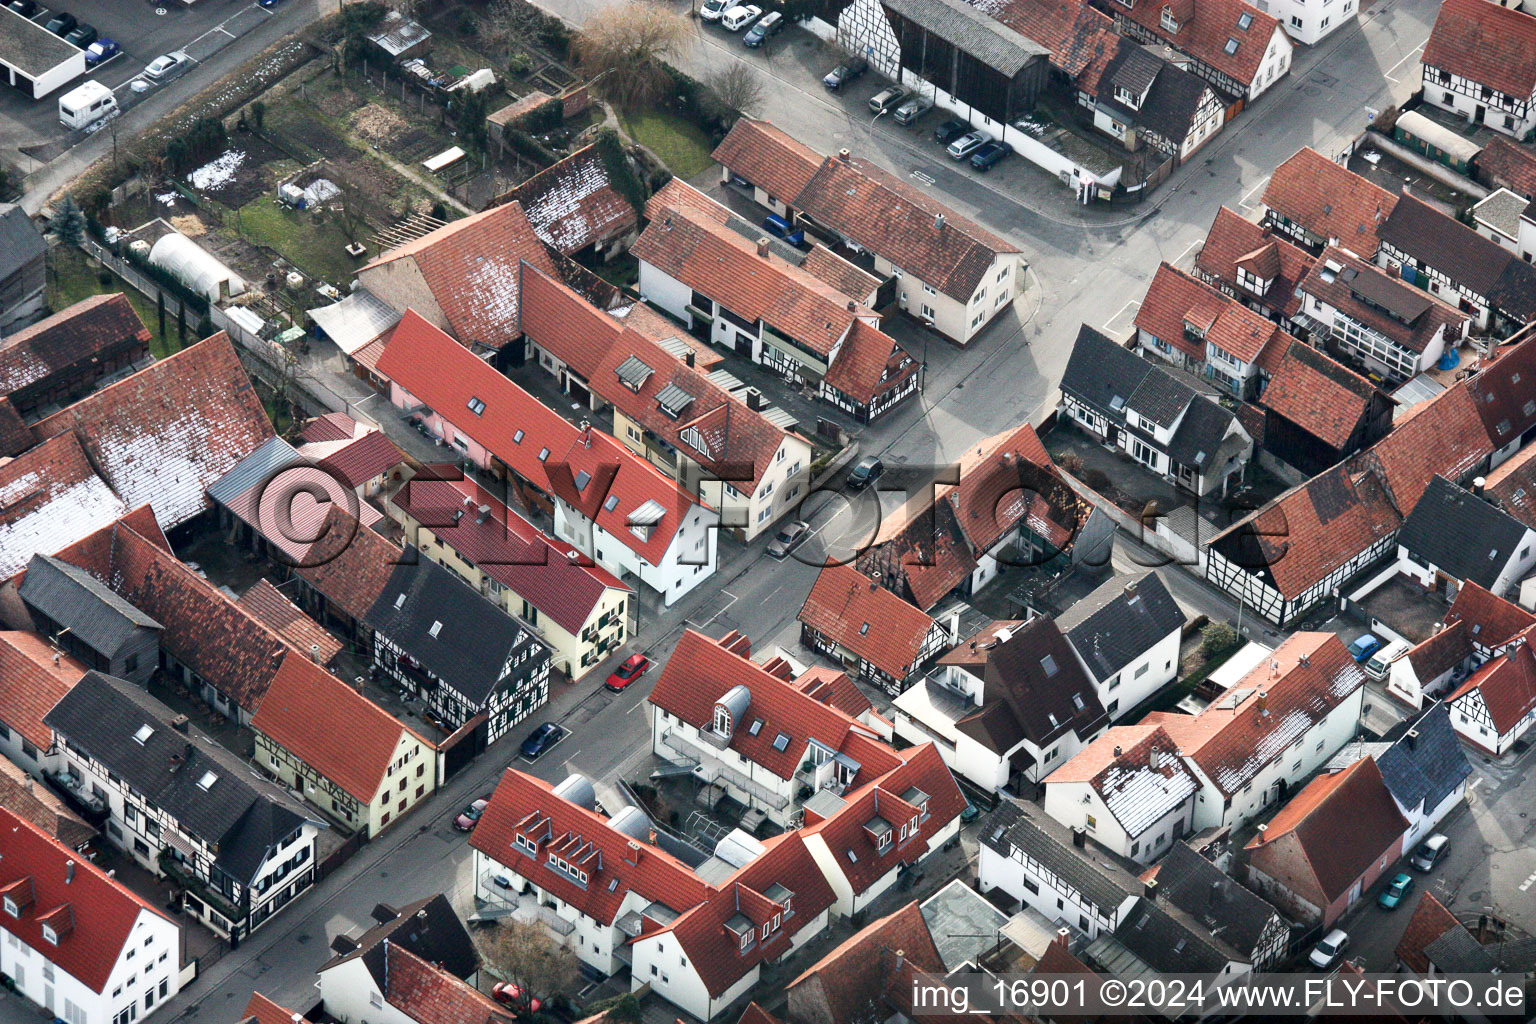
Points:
[[722, 720], [1126, 97], [1194, 330], [50, 936], [1170, 23], [11, 907]]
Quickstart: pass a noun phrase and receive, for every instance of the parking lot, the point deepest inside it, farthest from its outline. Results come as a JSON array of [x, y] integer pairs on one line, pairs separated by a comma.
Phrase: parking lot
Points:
[[144, 29]]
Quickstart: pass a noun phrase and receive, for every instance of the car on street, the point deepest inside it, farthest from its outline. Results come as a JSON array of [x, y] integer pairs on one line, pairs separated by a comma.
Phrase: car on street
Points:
[[967, 144], [786, 539], [886, 98], [844, 73], [469, 817], [635, 666], [1430, 852], [82, 35], [1363, 646], [868, 470], [165, 65], [540, 740], [101, 51], [912, 109], [771, 25], [61, 23], [970, 814], [512, 995], [714, 10], [738, 18], [1396, 891], [949, 131], [25, 8], [990, 154], [1327, 952]]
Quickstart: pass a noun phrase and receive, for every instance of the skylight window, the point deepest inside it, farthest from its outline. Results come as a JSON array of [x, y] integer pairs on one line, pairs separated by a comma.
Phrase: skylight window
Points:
[[613, 883], [781, 742], [143, 735], [476, 406], [1244, 20], [611, 503], [206, 782], [437, 627], [864, 629], [399, 602], [1231, 46], [1077, 701], [543, 454], [582, 479], [756, 727], [1049, 664], [517, 438]]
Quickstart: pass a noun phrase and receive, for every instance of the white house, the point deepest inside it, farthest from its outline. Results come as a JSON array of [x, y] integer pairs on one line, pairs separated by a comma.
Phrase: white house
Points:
[[1480, 63], [1453, 536], [78, 943], [1126, 636], [1424, 769], [1497, 704], [33, 677], [1310, 24]]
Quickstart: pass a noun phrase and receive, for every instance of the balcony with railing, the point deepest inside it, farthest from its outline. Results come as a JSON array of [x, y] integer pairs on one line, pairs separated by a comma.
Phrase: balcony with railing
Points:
[[710, 768]]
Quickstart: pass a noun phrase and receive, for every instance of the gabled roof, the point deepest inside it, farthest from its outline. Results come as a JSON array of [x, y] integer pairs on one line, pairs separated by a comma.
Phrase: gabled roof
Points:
[[355, 460], [15, 435], [330, 727], [572, 204], [1505, 160], [1174, 299], [74, 335], [1502, 391], [428, 994], [516, 428], [1104, 879], [1430, 920], [855, 612], [826, 265], [1234, 242], [1211, 896], [165, 433], [1490, 621], [103, 911], [50, 497], [1476, 261], [470, 268], [1360, 290], [1136, 773], [1081, 39], [1442, 436], [1485, 43], [1171, 95], [1169, 942], [1512, 486], [1329, 201], [31, 800], [209, 792], [863, 975], [768, 157], [870, 364], [82, 604], [1461, 534], [262, 1010], [1103, 374], [1426, 763], [1507, 684], [1319, 395], [1228, 35], [20, 241], [32, 682], [267, 605], [1259, 718], [1441, 652], [428, 927], [1341, 824], [1122, 619]]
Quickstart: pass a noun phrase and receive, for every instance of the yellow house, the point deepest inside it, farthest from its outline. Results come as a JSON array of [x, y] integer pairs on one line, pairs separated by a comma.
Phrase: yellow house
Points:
[[346, 755], [580, 609]]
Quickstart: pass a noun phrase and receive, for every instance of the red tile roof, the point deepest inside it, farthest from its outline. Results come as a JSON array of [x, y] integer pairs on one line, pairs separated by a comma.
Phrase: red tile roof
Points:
[[470, 266], [1491, 621], [1330, 201], [1240, 732], [15, 435], [267, 605], [430, 995], [549, 574], [1207, 30], [50, 497], [1507, 684], [27, 798], [1441, 437], [863, 974], [104, 911], [871, 363], [1234, 242], [1441, 652], [692, 243], [445, 376], [1504, 161], [848, 279], [855, 612], [701, 671], [1513, 485], [755, 1014], [768, 157], [357, 460], [1341, 823], [1485, 43], [834, 688], [350, 564], [333, 426], [31, 683], [1081, 39], [572, 204], [1502, 391], [330, 726], [264, 1011], [165, 433], [82, 333], [1323, 397], [1430, 920], [1175, 298]]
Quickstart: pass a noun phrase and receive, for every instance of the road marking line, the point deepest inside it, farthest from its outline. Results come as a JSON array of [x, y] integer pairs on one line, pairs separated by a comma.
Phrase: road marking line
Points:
[[1243, 202], [1477, 782], [1394, 67], [1180, 257]]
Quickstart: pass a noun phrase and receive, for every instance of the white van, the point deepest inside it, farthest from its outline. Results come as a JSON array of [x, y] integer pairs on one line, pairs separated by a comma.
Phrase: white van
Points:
[[738, 18], [86, 105], [1380, 663]]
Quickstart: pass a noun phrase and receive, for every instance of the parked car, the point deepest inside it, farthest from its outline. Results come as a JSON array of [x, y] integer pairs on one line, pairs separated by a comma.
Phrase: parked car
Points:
[[771, 25], [738, 18], [1363, 646], [101, 51], [1396, 891], [912, 109], [25, 8], [1430, 852], [635, 666], [990, 154], [970, 814], [967, 144], [714, 10], [868, 470], [82, 35], [886, 98], [1326, 953], [61, 23], [845, 73], [270, 3], [949, 131], [506, 992], [165, 66], [469, 817], [785, 540], [781, 228], [540, 740]]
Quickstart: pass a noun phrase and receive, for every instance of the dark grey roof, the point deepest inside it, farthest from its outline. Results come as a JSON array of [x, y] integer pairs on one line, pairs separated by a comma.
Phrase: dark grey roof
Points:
[[1201, 433], [1457, 951], [1101, 374], [1460, 533], [963, 26], [1115, 625], [237, 814], [1034, 688], [1210, 896], [1133, 68], [258, 468], [1427, 766], [428, 927], [1104, 879], [1444, 243], [20, 243], [1515, 291], [80, 602], [1172, 103], [1161, 396], [1168, 944], [474, 642]]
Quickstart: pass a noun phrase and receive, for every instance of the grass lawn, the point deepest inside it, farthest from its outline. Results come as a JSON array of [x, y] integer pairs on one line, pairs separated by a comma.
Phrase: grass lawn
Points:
[[316, 249], [73, 276], [683, 147]]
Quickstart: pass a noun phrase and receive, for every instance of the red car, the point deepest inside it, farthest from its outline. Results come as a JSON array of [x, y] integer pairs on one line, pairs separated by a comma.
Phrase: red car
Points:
[[469, 817], [633, 668], [512, 995]]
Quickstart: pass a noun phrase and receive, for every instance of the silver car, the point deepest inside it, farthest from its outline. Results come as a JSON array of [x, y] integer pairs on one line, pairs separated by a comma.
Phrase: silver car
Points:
[[912, 109], [967, 144], [788, 538], [167, 65], [886, 98]]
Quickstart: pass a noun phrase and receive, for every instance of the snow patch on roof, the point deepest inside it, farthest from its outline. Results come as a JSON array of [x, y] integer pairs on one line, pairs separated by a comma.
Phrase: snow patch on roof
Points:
[[68, 515]]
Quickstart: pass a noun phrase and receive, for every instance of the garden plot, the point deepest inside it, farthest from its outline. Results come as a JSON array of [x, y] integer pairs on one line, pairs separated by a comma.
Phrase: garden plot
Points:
[[241, 173]]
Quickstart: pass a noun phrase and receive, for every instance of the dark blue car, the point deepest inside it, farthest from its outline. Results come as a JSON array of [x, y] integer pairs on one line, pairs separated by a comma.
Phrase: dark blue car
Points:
[[540, 740], [989, 154], [782, 228]]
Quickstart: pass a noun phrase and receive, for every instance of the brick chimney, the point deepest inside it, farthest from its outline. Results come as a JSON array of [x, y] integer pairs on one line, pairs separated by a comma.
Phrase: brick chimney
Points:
[[762, 247], [843, 155]]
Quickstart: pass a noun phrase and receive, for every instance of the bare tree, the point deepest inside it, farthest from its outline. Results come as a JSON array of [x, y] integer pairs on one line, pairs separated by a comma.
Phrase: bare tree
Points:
[[526, 954], [507, 21], [351, 212], [627, 52], [738, 88]]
